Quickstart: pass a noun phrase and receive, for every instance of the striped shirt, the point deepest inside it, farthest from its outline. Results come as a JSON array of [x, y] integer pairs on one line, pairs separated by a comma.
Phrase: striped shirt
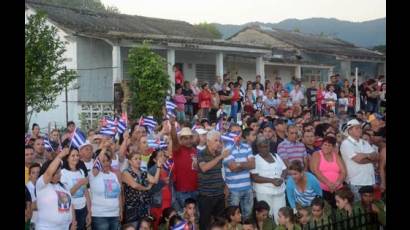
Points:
[[238, 181], [210, 183], [304, 198], [291, 151]]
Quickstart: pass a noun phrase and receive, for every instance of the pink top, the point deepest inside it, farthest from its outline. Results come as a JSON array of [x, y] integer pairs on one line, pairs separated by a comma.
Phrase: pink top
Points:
[[330, 170], [180, 102]]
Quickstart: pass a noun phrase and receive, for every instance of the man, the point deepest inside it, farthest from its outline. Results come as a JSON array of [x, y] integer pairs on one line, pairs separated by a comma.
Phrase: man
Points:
[[288, 113], [218, 84], [297, 95], [291, 149], [39, 152], [236, 167], [378, 127], [179, 77], [211, 197], [280, 130], [189, 95], [28, 160], [367, 204], [242, 91], [86, 155], [183, 154], [358, 156], [70, 131], [334, 83], [249, 136], [225, 97], [308, 141], [258, 81], [311, 96]]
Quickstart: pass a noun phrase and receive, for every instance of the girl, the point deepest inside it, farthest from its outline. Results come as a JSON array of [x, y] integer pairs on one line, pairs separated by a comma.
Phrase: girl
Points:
[[260, 216], [165, 217], [319, 217], [180, 101], [287, 220], [303, 215], [233, 215]]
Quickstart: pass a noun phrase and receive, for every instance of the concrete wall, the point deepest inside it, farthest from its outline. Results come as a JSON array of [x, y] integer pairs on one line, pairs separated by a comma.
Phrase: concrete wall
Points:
[[57, 114]]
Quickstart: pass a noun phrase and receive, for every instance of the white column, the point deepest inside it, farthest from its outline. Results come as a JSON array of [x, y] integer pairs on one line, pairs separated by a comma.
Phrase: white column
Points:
[[260, 69], [116, 64], [298, 72], [219, 64], [170, 64]]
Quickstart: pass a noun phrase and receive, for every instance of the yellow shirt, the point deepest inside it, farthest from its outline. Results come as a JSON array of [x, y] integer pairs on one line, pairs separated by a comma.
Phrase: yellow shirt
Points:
[[26, 175]]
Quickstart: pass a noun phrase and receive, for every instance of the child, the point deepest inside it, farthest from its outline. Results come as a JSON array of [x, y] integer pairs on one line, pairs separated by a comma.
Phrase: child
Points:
[[287, 220], [259, 105], [343, 102], [351, 103], [34, 171], [167, 214], [189, 213], [234, 217], [180, 101], [318, 214]]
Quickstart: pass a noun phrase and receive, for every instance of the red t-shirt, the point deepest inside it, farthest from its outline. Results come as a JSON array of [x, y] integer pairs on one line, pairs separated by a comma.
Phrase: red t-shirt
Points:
[[236, 96], [352, 101], [185, 178], [179, 77]]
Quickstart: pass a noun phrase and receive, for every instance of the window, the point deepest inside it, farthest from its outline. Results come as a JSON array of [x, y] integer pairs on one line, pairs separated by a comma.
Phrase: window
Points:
[[205, 73]]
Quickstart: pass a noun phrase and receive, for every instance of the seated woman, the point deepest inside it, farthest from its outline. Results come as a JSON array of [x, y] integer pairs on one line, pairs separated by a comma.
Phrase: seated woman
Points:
[[329, 169], [260, 216], [301, 187], [319, 217], [287, 220]]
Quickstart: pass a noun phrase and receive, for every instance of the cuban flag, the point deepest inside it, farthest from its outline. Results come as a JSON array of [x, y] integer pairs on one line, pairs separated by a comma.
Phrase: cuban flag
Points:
[[122, 124], [154, 143], [47, 145], [163, 145], [148, 122], [230, 138], [78, 138], [170, 106], [97, 164], [219, 125], [168, 165], [183, 225]]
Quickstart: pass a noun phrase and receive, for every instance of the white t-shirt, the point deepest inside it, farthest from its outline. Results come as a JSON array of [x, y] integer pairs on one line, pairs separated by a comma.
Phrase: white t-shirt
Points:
[[69, 179], [297, 97], [269, 170], [357, 174], [89, 165], [54, 206], [330, 96], [105, 192], [31, 188]]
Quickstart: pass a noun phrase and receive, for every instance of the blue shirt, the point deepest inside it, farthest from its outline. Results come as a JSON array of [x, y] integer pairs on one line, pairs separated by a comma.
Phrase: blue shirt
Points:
[[238, 181], [304, 198]]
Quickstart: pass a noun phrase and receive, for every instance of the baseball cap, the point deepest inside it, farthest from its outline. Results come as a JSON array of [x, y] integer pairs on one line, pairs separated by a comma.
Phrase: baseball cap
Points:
[[350, 124]]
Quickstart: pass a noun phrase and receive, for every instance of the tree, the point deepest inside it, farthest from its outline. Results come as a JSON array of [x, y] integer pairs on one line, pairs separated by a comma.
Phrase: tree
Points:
[[94, 5], [45, 75], [210, 28], [380, 48], [149, 82]]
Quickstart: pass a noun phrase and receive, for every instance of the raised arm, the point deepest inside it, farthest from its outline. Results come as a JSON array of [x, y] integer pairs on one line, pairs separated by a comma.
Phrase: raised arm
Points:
[[52, 168], [128, 179], [174, 138]]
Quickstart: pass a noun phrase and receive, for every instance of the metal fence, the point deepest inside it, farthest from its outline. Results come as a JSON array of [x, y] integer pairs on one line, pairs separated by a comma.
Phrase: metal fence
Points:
[[358, 220]]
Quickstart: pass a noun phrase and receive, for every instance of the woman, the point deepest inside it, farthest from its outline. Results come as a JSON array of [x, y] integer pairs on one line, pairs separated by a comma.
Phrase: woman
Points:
[[75, 180], [137, 184], [270, 102], [287, 220], [195, 90], [329, 169], [106, 196], [163, 191], [345, 208], [55, 209], [268, 177], [54, 139], [257, 92], [204, 98], [35, 131], [234, 218], [320, 99], [260, 216], [132, 141], [301, 187], [215, 101], [249, 101]]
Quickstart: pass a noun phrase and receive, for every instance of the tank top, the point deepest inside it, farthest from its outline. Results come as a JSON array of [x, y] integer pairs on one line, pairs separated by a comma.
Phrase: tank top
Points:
[[330, 170]]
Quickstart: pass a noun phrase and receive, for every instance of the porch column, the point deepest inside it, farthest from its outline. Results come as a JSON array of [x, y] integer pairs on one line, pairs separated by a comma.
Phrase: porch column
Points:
[[116, 64], [220, 65], [170, 64], [298, 72], [260, 69]]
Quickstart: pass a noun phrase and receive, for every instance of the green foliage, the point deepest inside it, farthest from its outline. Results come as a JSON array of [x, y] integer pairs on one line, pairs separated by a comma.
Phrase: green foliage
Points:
[[149, 82], [210, 28], [45, 75], [380, 48], [296, 30], [94, 5]]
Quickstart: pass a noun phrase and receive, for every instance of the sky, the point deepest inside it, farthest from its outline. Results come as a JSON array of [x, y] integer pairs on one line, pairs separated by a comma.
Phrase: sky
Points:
[[243, 11]]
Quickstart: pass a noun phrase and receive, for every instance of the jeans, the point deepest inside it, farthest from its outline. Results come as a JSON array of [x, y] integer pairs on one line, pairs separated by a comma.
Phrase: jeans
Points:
[[227, 109], [182, 196], [371, 107], [234, 110], [210, 206], [244, 199], [180, 116], [105, 223], [189, 110], [80, 216]]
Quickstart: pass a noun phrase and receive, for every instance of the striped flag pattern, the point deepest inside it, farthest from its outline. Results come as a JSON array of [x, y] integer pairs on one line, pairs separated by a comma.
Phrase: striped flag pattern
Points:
[[168, 165], [122, 124], [148, 122], [47, 145], [183, 225], [170, 106], [230, 138], [78, 138], [97, 164]]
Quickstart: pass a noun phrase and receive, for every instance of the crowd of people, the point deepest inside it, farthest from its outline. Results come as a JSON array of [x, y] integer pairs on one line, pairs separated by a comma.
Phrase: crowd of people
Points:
[[235, 156]]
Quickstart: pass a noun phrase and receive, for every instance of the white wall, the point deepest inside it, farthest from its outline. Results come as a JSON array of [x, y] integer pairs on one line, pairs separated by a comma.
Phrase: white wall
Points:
[[58, 113]]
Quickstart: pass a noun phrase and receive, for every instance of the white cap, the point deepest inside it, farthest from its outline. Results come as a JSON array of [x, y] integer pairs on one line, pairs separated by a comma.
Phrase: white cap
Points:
[[350, 124], [201, 131], [85, 144]]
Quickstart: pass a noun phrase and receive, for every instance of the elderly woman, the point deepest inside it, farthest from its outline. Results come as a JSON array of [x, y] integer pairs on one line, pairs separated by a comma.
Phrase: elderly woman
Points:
[[268, 177], [137, 184], [74, 177], [329, 169], [301, 187], [54, 202], [106, 199]]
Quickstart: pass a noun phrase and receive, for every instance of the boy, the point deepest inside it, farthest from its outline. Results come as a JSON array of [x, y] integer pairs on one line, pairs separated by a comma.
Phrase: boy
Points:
[[189, 213]]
